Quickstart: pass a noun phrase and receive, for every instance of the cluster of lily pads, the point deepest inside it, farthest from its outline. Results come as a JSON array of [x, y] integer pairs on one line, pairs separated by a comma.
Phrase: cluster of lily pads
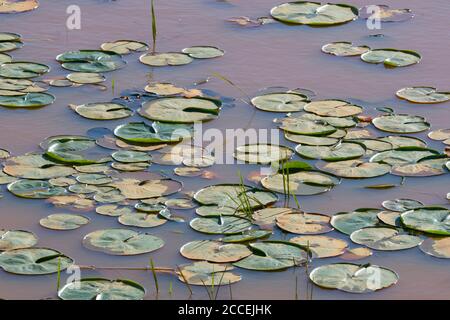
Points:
[[389, 57]]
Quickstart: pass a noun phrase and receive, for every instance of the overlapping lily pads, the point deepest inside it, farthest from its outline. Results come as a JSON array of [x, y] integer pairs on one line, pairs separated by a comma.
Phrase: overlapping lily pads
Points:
[[35, 189], [423, 95], [340, 152], [382, 238], [9, 41], [158, 132], [401, 123], [165, 59], [91, 61], [22, 69], [124, 46], [392, 57], [220, 224]]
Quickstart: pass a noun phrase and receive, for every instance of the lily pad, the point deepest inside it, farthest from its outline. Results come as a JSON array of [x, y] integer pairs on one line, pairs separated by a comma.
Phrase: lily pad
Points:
[[403, 141], [102, 111], [62, 221], [403, 155], [95, 61], [306, 127], [356, 169], [262, 153], [344, 49], [247, 236], [101, 289], [34, 261], [9, 41], [16, 239], [402, 205], [391, 218], [348, 222], [22, 70], [203, 52], [180, 110], [27, 100], [340, 152], [314, 13], [353, 278], [273, 255], [124, 46], [141, 220], [322, 246], [137, 189], [439, 135], [382, 238], [34, 189], [38, 173], [280, 102], [423, 95], [311, 140], [220, 225], [426, 167], [113, 210], [131, 156], [158, 132], [437, 247], [333, 108], [433, 220], [203, 273], [122, 242], [401, 123], [214, 251], [16, 6], [86, 77], [384, 13], [392, 57], [304, 223], [165, 59]]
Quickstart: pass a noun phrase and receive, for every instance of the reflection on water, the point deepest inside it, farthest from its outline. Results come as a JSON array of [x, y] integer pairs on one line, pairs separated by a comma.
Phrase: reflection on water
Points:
[[273, 55]]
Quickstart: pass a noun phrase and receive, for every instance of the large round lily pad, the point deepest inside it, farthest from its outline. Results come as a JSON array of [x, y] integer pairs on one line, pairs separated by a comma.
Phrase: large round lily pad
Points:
[[314, 13], [180, 110], [27, 100], [102, 289], [137, 189], [348, 222], [333, 108], [304, 223], [434, 220], [141, 220], [382, 238], [322, 246], [280, 102], [214, 251], [91, 61], [262, 153], [402, 205], [306, 127], [203, 52], [63, 221], [220, 225], [273, 255], [34, 261], [23, 69], [122, 242], [165, 59], [158, 132], [401, 123], [86, 77], [103, 111], [392, 57], [340, 152], [38, 172], [423, 95], [353, 278], [356, 169], [34, 189], [16, 239], [203, 273]]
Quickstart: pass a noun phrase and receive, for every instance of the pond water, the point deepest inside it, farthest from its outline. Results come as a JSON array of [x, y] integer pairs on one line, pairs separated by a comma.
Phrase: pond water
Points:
[[255, 58]]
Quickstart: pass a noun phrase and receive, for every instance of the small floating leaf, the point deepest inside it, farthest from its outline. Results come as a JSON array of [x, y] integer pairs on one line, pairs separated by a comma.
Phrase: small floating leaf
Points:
[[344, 49], [203, 52], [16, 239], [124, 46], [62, 221], [214, 251], [392, 57], [165, 59], [423, 95], [381, 238]]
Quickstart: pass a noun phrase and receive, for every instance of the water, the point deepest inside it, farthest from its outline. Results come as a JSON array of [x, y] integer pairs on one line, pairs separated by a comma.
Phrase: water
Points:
[[273, 55]]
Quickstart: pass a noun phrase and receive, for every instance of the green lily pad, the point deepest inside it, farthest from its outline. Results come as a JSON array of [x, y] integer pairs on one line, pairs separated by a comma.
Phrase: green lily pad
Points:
[[150, 207], [306, 127], [340, 152], [27, 100], [344, 49], [86, 77], [165, 59], [83, 188], [391, 218], [348, 222], [124, 46], [137, 189], [113, 210], [382, 238], [4, 58], [180, 110], [392, 57], [314, 13], [333, 108], [353, 278], [403, 155], [203, 52], [262, 153], [127, 156], [158, 132], [131, 167], [101, 289], [62, 221], [356, 169], [426, 167], [402, 141], [44, 172], [402, 205], [95, 61], [423, 95], [34, 189], [322, 246], [220, 225], [141, 220], [401, 123], [273, 255], [9, 41], [203, 273], [439, 247], [247, 236], [22, 70], [280, 102], [180, 203], [102, 111], [434, 220], [214, 211], [93, 178], [16, 239], [214, 251], [304, 223], [34, 261], [15, 87], [122, 242], [311, 140]]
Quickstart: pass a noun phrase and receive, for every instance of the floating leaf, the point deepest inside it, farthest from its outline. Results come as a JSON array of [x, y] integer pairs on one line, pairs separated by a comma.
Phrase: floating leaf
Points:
[[140, 132], [426, 167], [137, 189], [4, 58], [141, 220], [38, 173], [9, 41], [16, 6], [113, 210], [262, 153], [102, 111], [356, 169], [131, 156], [390, 218], [434, 220], [102, 289], [333, 108], [280, 102], [353, 278], [423, 95], [348, 222], [247, 236], [203, 52], [165, 59], [203, 273], [306, 127], [214, 251], [124, 46], [401, 123], [34, 261], [273, 255], [28, 100], [310, 140], [95, 61], [437, 247], [340, 152], [220, 225], [34, 189], [169, 89], [86, 77], [385, 14], [322, 246], [122, 242], [356, 253], [381, 238], [16, 239], [403, 141], [62, 221], [304, 223], [314, 13], [23, 69], [344, 49], [392, 57]]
